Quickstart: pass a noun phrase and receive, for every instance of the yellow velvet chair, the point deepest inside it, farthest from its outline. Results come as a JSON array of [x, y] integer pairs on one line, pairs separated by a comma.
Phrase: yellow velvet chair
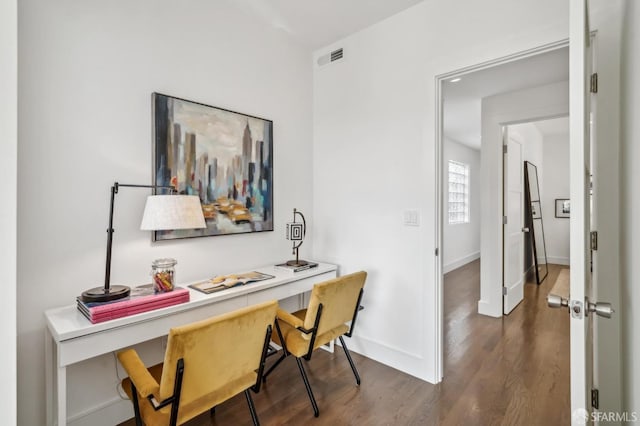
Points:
[[205, 364], [332, 305]]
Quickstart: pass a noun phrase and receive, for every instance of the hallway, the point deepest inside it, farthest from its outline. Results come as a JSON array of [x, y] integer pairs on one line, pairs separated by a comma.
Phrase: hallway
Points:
[[509, 371]]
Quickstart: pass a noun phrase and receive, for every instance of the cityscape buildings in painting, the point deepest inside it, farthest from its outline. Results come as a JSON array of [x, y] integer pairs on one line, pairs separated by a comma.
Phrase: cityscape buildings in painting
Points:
[[224, 157]]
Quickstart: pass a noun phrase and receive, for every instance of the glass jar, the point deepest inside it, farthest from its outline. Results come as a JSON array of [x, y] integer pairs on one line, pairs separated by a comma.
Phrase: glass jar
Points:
[[163, 274]]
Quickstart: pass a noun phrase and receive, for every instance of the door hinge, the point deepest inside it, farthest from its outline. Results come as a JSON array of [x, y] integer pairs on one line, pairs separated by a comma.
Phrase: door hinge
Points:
[[595, 398], [594, 83], [504, 220], [504, 149], [504, 291], [594, 240], [437, 251]]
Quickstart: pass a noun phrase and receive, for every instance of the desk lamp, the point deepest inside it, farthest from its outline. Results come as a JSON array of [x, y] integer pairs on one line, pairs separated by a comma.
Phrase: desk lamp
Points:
[[161, 212]]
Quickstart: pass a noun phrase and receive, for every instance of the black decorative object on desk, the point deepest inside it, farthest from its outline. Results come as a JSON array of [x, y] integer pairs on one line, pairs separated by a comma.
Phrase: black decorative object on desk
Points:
[[160, 212], [296, 232]]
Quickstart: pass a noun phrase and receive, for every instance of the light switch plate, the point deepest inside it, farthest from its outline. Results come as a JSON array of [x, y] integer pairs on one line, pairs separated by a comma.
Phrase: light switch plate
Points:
[[411, 217]]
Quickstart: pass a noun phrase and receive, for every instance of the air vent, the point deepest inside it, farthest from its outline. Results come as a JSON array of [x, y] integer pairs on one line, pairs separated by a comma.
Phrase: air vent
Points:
[[336, 55]]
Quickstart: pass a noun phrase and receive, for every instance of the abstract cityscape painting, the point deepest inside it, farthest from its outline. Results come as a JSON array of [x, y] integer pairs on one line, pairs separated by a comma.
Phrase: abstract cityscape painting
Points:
[[224, 157]]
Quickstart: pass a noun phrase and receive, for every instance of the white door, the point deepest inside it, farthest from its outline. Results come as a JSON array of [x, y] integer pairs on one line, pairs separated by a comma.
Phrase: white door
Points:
[[513, 245], [581, 284]]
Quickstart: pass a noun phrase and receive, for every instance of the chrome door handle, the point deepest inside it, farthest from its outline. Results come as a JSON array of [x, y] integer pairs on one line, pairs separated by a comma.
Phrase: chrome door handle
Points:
[[602, 309], [525, 229], [555, 301]]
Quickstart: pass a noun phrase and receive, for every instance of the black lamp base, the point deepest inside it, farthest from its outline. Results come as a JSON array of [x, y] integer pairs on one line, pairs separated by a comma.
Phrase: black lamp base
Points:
[[101, 294], [296, 263]]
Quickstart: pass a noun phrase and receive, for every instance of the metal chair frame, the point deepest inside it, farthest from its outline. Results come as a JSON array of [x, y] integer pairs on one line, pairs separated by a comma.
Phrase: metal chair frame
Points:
[[314, 332]]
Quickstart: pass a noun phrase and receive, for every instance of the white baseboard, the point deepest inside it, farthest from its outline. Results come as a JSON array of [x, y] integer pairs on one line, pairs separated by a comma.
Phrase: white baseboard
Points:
[[558, 260], [487, 309], [400, 360], [460, 262], [113, 411]]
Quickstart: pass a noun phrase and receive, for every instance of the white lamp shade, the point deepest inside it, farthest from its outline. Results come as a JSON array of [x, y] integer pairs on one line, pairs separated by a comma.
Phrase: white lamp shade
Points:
[[166, 212]]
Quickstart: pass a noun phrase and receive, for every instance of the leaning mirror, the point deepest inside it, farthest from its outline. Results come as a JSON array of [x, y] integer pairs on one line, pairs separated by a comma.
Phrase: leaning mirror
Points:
[[534, 221]]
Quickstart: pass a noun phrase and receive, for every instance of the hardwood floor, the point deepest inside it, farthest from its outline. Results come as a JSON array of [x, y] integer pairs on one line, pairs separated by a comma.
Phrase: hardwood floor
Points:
[[505, 371], [498, 371]]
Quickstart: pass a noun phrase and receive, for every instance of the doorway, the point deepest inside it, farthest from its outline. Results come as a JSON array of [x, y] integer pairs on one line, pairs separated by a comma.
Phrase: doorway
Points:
[[535, 191], [495, 108]]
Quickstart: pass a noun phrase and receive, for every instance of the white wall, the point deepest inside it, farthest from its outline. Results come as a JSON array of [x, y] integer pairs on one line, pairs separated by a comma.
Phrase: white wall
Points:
[[461, 242], [8, 207], [630, 197], [375, 157], [533, 147], [510, 108], [556, 185], [87, 71]]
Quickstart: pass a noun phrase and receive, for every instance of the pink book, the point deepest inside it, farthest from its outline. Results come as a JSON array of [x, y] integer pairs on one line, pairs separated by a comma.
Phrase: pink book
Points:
[[139, 296], [96, 317], [142, 299]]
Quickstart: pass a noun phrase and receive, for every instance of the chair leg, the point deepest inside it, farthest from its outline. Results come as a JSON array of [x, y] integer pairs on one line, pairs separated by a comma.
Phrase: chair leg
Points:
[[275, 364], [285, 353], [353, 366], [252, 408], [316, 412], [136, 405]]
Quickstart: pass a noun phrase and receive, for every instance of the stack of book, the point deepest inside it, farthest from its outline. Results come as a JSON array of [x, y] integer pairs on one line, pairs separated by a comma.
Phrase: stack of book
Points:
[[141, 299], [296, 268]]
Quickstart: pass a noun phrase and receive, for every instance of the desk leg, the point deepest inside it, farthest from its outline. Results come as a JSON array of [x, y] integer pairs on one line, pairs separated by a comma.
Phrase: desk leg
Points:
[[61, 394], [49, 365], [55, 384]]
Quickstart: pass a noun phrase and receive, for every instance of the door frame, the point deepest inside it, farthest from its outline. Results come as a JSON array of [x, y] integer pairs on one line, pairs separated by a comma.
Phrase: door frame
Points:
[[439, 167]]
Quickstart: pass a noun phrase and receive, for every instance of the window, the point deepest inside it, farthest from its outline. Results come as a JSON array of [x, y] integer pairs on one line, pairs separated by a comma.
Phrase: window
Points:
[[458, 193]]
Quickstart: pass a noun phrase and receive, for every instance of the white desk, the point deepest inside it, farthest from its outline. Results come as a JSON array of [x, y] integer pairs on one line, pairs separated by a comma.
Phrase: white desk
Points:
[[71, 338]]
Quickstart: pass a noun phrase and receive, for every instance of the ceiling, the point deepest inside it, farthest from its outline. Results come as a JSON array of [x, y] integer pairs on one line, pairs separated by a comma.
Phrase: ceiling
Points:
[[462, 100], [319, 23]]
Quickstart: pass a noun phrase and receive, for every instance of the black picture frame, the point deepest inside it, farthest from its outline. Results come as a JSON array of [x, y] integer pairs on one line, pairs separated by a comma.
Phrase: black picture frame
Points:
[[534, 226], [224, 157], [563, 208]]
